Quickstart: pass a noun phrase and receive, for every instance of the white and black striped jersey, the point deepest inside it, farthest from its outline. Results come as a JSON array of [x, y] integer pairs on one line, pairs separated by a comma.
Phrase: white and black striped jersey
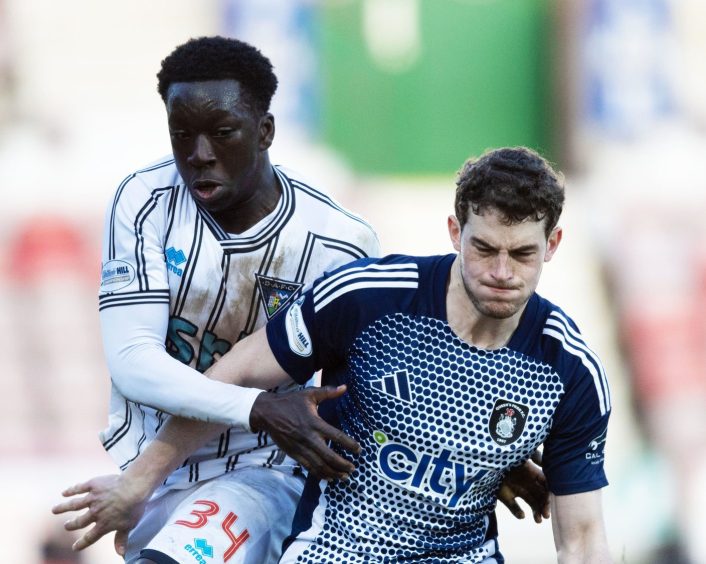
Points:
[[177, 292]]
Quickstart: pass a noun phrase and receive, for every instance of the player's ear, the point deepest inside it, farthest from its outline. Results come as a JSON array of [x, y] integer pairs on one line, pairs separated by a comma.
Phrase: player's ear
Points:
[[454, 232], [553, 243], [267, 131]]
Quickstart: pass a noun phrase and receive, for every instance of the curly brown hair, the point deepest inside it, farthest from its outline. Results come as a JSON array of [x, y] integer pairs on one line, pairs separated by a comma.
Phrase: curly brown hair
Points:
[[516, 181]]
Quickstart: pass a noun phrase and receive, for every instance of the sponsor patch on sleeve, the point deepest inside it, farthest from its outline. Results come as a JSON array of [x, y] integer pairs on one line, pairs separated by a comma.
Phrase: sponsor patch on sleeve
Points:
[[595, 453], [297, 333], [115, 275]]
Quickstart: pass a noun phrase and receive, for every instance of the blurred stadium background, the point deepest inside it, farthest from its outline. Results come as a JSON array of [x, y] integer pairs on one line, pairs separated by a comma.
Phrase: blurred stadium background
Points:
[[380, 101]]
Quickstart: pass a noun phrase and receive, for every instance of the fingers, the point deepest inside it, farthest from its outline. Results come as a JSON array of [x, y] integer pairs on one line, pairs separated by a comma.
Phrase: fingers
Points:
[[293, 422], [542, 512], [120, 542], [506, 496], [72, 505], [81, 488], [515, 509], [89, 538], [546, 512], [328, 392], [317, 467], [315, 455], [329, 431], [80, 521], [337, 436]]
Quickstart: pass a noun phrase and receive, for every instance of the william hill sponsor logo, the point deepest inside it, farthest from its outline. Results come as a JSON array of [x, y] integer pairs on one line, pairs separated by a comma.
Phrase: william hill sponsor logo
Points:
[[116, 274]]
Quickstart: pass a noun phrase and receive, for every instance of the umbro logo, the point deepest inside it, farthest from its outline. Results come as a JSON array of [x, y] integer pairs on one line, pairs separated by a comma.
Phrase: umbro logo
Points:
[[175, 257], [396, 385]]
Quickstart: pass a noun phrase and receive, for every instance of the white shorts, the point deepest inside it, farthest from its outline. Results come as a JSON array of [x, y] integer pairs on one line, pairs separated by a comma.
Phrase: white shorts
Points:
[[240, 518]]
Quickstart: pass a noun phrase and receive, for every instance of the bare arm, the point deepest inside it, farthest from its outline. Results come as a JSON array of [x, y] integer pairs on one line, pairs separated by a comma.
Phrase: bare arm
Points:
[[577, 524]]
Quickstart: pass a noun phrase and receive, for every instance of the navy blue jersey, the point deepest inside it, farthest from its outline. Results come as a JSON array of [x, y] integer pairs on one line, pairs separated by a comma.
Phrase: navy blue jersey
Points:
[[440, 421]]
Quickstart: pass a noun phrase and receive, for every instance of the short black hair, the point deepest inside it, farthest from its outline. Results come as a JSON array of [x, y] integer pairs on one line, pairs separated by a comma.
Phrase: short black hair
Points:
[[220, 58], [516, 181]]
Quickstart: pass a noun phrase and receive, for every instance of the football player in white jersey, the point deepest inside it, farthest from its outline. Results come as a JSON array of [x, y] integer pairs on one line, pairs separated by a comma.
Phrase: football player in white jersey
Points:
[[456, 370], [201, 248]]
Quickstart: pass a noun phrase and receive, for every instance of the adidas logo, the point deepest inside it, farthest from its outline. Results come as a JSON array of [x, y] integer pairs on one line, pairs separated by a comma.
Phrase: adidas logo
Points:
[[395, 385]]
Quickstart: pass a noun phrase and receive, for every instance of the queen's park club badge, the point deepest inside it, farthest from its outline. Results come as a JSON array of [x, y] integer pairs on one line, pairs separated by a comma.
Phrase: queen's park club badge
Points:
[[507, 421]]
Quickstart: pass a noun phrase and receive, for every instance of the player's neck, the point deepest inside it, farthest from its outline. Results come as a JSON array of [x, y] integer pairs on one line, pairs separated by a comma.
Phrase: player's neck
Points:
[[469, 323]]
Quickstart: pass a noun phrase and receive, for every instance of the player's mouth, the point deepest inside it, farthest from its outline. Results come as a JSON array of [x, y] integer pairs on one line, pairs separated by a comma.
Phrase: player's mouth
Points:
[[495, 288], [501, 291], [205, 190]]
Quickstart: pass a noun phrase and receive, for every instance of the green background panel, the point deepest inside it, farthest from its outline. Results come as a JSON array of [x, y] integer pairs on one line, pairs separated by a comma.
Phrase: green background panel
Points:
[[482, 80]]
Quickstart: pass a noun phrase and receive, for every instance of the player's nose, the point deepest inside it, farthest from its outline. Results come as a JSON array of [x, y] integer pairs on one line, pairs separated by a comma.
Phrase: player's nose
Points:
[[202, 153]]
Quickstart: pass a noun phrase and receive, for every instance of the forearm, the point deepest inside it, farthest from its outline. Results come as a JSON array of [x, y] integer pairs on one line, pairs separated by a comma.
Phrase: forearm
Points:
[[145, 373], [151, 377], [589, 552], [177, 439], [591, 548], [579, 534]]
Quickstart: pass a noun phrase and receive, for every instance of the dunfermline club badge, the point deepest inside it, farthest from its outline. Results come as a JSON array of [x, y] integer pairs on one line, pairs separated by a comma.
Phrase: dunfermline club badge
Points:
[[275, 293]]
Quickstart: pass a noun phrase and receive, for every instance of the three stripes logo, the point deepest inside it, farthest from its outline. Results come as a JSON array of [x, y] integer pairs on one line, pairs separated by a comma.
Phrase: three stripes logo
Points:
[[365, 278], [395, 385]]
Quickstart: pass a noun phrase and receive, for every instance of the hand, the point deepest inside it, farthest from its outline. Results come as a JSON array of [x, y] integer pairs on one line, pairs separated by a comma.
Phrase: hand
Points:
[[294, 424], [528, 482], [113, 504]]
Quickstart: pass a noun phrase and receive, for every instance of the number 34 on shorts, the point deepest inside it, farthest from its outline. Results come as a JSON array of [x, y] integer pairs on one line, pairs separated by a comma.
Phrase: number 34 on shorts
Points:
[[206, 512]]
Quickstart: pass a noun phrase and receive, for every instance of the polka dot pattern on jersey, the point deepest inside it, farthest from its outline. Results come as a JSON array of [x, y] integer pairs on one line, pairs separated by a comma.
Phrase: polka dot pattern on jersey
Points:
[[421, 402]]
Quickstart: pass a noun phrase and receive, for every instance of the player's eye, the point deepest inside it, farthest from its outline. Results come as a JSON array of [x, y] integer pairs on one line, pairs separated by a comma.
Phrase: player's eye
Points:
[[178, 134], [523, 255], [485, 251], [223, 132]]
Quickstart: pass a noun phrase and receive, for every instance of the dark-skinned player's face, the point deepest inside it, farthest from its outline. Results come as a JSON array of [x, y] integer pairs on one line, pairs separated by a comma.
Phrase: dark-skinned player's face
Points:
[[219, 141]]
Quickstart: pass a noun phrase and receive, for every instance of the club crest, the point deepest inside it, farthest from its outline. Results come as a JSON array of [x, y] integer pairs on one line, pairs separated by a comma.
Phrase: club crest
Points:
[[275, 293], [507, 421]]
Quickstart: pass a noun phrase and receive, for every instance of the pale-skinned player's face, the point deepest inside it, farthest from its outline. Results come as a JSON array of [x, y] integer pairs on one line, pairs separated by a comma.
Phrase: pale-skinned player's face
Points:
[[501, 264], [219, 143]]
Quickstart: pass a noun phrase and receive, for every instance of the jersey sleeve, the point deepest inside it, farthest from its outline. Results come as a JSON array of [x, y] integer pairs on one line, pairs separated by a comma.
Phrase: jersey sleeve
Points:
[[574, 451], [134, 312], [314, 332], [143, 371], [133, 267]]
